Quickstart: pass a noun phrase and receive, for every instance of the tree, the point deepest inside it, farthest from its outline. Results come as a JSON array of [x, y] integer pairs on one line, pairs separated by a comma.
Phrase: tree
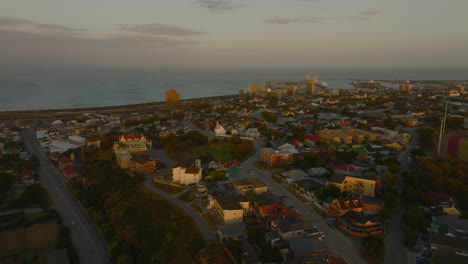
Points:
[[415, 217], [374, 244], [125, 259], [391, 200], [330, 190], [234, 246], [6, 181], [269, 116]]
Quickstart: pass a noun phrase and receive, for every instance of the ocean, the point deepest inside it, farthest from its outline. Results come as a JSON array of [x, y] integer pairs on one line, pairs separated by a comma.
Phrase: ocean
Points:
[[76, 88]]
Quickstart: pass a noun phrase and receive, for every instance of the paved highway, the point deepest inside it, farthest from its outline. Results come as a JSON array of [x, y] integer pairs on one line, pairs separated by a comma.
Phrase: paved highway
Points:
[[90, 245], [395, 237]]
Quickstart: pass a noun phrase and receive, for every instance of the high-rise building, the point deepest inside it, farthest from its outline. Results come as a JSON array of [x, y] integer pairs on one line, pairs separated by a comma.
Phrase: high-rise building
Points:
[[405, 88], [256, 87], [310, 84], [172, 98]]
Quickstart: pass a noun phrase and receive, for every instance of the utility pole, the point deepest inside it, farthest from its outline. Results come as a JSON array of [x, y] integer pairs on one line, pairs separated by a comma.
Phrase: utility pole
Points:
[[442, 128]]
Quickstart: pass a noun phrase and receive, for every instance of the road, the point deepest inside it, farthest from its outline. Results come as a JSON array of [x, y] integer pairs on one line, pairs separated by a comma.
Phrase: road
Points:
[[203, 226], [90, 245], [337, 243], [395, 238]]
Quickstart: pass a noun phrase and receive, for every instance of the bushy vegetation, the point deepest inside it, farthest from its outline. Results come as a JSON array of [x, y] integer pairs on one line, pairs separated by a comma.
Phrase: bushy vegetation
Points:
[[33, 195], [140, 227]]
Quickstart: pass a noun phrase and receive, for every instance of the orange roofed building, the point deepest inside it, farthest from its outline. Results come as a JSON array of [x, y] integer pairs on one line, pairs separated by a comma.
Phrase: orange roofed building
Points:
[[342, 205], [276, 211], [142, 165]]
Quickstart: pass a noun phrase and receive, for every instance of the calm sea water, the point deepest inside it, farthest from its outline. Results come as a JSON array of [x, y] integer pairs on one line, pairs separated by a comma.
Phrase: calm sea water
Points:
[[67, 88]]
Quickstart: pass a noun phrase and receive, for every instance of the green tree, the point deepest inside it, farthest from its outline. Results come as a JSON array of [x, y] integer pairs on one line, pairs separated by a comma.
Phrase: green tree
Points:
[[124, 259], [269, 116], [391, 200], [374, 244], [6, 181], [234, 246], [330, 190], [415, 217]]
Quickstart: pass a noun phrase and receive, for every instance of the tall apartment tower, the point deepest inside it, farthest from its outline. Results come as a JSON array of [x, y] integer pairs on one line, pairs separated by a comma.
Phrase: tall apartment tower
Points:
[[172, 98], [310, 84], [256, 87]]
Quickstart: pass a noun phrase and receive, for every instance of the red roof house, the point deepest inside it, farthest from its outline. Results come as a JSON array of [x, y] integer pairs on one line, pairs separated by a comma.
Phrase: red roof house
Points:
[[276, 211]]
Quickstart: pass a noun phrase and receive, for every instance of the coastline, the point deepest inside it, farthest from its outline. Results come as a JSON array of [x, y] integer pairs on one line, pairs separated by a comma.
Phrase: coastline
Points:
[[28, 114]]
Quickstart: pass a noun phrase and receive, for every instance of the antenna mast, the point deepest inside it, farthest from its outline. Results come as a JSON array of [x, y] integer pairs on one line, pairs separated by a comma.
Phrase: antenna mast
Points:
[[442, 128]]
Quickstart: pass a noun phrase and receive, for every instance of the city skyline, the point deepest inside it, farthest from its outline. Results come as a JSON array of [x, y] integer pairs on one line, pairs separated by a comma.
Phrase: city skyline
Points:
[[237, 33]]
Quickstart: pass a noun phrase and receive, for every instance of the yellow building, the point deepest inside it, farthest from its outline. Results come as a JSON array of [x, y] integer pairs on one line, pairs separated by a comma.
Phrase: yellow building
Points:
[[355, 185], [186, 176], [255, 88], [347, 135], [127, 145], [230, 209], [172, 98]]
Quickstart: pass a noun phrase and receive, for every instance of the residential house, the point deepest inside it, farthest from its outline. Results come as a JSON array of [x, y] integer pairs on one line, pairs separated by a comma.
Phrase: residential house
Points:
[[342, 205], [335, 136], [253, 185], [306, 187], [65, 161], [230, 209], [219, 130], [303, 247], [142, 165], [312, 140], [448, 237], [27, 177], [272, 212], [361, 185], [360, 224], [346, 170], [318, 171], [371, 204], [186, 176], [443, 202], [252, 133], [69, 172], [295, 175], [448, 249], [276, 158], [290, 227]]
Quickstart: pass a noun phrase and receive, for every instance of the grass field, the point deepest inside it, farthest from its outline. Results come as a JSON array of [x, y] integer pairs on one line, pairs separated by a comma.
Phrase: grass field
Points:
[[218, 151], [463, 149], [170, 189]]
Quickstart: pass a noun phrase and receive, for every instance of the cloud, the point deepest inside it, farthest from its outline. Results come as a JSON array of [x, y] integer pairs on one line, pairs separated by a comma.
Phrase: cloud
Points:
[[361, 16], [285, 20], [13, 22], [372, 12], [16, 39], [160, 29], [218, 5]]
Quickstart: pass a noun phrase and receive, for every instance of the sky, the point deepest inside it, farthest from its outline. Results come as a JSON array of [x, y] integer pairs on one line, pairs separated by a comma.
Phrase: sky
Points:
[[234, 33]]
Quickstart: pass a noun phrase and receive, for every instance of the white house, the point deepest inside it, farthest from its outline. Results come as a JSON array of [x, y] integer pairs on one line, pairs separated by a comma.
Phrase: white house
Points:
[[219, 130], [186, 176], [252, 133]]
